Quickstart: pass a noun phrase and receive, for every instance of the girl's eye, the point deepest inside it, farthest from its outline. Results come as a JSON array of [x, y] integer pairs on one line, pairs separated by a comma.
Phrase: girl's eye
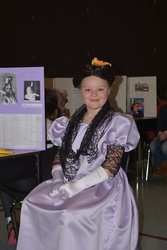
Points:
[[87, 90], [101, 89]]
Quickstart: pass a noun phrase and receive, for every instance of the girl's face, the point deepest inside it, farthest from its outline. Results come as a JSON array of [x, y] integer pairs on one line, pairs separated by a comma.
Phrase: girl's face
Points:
[[95, 92]]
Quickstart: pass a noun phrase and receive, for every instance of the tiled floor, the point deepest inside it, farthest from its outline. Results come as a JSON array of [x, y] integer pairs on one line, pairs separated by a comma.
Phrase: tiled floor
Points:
[[151, 198], [152, 204]]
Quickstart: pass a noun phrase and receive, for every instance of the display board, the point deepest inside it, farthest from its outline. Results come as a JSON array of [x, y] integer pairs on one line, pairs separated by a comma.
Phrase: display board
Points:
[[142, 91], [65, 87], [22, 108], [118, 94]]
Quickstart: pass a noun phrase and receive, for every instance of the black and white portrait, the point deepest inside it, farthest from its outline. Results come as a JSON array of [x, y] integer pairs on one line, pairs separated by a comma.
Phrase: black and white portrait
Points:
[[142, 86], [8, 88], [31, 91]]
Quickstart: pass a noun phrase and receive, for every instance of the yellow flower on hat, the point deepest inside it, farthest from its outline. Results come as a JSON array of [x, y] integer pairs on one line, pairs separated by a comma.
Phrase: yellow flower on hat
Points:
[[97, 62]]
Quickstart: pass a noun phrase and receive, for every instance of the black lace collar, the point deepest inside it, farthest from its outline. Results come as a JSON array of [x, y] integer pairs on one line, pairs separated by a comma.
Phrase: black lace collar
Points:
[[88, 147]]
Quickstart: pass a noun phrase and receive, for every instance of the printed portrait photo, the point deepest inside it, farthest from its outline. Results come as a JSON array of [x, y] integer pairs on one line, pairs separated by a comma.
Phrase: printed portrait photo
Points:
[[8, 88], [31, 91]]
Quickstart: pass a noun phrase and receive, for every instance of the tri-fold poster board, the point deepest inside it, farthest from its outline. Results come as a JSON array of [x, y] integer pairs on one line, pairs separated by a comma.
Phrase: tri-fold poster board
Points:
[[22, 108], [143, 91]]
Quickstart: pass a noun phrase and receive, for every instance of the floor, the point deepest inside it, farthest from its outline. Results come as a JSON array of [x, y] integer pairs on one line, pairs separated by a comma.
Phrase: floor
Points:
[[151, 198], [152, 205]]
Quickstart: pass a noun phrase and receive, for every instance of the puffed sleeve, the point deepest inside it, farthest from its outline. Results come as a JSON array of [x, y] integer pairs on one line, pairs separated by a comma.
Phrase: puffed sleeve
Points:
[[57, 130], [123, 132]]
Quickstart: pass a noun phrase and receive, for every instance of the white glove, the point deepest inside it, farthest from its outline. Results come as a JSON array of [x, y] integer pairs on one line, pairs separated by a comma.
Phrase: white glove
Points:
[[73, 187], [58, 179], [57, 173]]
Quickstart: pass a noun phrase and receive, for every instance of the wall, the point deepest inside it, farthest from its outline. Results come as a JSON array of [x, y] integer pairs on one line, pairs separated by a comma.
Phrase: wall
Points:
[[60, 35]]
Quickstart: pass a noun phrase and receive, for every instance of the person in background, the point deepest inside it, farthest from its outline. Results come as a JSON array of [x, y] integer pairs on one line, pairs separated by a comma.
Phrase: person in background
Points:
[[52, 111], [88, 204], [158, 146]]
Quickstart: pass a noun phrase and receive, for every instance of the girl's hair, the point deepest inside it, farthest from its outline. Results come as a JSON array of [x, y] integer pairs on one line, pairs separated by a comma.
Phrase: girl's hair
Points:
[[104, 72]]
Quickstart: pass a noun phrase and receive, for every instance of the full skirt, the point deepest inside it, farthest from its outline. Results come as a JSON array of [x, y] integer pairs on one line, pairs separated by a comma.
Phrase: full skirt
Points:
[[103, 217]]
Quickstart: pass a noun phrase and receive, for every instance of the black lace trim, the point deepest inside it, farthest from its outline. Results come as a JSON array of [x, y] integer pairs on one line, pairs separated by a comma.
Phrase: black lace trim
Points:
[[89, 146], [113, 159]]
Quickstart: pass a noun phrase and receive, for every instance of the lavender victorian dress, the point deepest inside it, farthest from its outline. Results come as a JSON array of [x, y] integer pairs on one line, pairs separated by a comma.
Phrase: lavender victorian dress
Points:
[[102, 217]]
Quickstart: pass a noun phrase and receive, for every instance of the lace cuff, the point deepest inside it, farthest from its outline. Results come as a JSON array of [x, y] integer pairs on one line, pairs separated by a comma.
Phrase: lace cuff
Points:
[[113, 159]]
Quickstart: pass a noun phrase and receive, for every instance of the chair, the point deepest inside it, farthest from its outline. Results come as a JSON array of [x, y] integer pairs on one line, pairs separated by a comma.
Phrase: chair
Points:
[[147, 129], [125, 161], [147, 156], [14, 169]]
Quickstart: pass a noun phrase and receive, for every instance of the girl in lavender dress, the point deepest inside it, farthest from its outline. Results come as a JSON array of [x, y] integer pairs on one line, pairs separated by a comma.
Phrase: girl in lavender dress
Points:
[[89, 204]]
